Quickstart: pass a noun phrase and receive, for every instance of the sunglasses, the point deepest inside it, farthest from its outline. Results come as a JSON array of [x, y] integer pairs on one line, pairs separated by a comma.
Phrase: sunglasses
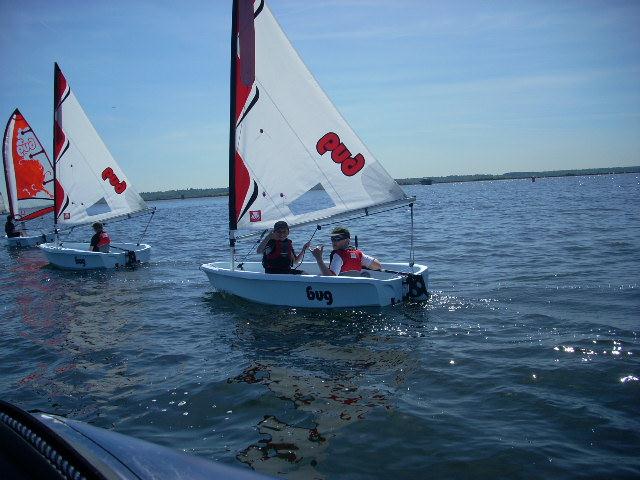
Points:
[[337, 238]]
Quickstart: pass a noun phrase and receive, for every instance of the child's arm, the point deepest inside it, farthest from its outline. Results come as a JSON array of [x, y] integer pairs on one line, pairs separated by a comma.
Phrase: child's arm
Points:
[[300, 256], [263, 243]]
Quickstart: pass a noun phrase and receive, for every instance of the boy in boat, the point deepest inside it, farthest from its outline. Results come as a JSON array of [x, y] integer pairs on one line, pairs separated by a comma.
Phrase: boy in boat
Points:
[[277, 251], [344, 259], [100, 241], [10, 228]]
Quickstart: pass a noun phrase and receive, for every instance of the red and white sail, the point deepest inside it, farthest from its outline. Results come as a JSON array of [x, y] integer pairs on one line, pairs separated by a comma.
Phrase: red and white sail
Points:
[[27, 169], [286, 135], [90, 178]]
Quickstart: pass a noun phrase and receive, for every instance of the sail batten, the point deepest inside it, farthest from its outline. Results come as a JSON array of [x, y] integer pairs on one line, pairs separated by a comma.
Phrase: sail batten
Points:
[[286, 136], [86, 172]]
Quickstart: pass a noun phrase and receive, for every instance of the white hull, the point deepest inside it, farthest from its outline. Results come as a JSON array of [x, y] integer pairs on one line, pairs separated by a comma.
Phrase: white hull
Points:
[[28, 241], [313, 290], [77, 256]]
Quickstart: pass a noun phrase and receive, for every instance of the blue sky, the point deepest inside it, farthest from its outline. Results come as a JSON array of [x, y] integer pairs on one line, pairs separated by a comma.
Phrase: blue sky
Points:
[[433, 88]]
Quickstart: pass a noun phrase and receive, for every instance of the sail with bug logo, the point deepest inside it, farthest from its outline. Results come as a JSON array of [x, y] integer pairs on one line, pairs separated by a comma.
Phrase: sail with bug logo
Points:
[[287, 139], [28, 171], [93, 187]]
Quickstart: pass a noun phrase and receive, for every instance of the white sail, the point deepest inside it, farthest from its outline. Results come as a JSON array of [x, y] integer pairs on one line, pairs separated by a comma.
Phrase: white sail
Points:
[[93, 186], [28, 171], [288, 136]]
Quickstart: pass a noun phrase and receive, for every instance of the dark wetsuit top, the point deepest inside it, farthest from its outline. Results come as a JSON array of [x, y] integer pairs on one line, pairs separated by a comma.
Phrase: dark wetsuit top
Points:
[[277, 257], [95, 240], [10, 229]]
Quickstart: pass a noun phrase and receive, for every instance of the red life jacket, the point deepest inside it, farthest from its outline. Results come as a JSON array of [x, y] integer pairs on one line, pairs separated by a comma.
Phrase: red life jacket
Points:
[[351, 260], [103, 239], [280, 256]]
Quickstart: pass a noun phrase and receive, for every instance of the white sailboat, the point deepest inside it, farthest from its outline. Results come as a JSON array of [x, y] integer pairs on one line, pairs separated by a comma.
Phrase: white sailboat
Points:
[[287, 139], [91, 187], [28, 177]]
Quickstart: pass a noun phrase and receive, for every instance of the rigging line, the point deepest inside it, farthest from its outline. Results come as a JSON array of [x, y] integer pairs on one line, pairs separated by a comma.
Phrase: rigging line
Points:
[[366, 214], [318, 227], [335, 190], [153, 212], [251, 249], [68, 234]]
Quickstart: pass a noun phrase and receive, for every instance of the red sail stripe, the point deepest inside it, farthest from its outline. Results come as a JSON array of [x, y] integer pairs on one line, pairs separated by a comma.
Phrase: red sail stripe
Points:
[[242, 184], [37, 214], [60, 198], [61, 87], [242, 91], [60, 141]]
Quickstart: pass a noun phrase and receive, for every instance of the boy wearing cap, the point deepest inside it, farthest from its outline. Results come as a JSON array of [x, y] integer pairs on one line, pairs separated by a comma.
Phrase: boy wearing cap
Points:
[[344, 259], [277, 251]]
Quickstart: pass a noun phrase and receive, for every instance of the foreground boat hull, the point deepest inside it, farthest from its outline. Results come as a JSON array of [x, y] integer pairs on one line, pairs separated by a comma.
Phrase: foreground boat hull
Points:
[[45, 446], [77, 256], [316, 291], [30, 241]]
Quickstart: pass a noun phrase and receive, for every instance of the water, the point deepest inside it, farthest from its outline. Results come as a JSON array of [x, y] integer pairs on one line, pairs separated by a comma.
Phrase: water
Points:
[[523, 364]]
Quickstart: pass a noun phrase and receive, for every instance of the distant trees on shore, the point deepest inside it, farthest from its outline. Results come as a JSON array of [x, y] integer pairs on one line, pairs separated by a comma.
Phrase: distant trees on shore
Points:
[[220, 192]]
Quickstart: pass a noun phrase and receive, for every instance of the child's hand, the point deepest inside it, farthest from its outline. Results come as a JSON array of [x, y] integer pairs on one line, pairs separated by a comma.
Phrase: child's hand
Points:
[[305, 246]]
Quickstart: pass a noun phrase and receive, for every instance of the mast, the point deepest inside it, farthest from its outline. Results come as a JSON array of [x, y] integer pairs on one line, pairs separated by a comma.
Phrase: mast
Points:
[[55, 154], [233, 224], [4, 163]]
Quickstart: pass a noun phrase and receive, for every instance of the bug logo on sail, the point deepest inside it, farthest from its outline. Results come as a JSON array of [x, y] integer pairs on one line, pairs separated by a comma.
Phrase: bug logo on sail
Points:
[[349, 165], [118, 186]]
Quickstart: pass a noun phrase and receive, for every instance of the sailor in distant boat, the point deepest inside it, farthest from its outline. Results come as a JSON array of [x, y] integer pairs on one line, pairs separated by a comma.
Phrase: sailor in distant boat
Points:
[[100, 241], [344, 259], [10, 228], [277, 251]]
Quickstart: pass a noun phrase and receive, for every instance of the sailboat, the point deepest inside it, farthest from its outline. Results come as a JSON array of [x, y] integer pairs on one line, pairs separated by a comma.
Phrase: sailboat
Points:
[[28, 174], [287, 140], [90, 187]]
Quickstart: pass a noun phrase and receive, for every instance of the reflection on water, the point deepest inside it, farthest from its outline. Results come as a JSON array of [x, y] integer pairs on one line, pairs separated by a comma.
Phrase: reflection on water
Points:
[[78, 322], [335, 368]]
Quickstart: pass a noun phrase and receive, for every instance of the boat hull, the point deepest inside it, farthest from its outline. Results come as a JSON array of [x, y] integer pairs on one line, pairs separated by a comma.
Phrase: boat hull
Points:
[[29, 241], [316, 291], [77, 256]]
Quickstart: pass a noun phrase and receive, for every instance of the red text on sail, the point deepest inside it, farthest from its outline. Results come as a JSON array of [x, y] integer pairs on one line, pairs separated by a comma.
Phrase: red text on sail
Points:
[[118, 186], [349, 165]]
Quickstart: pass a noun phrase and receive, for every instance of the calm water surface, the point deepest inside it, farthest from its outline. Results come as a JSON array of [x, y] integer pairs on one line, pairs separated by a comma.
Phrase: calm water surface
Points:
[[523, 364]]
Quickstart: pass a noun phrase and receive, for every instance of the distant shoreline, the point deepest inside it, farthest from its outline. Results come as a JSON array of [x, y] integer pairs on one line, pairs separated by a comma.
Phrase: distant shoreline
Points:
[[223, 192]]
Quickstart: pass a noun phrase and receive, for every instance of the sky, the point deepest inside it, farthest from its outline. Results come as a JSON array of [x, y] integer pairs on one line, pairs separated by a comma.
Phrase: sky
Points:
[[433, 88]]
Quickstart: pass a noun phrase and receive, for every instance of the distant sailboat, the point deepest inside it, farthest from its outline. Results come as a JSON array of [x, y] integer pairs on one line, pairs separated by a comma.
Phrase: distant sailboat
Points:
[[287, 139], [91, 187], [28, 174]]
